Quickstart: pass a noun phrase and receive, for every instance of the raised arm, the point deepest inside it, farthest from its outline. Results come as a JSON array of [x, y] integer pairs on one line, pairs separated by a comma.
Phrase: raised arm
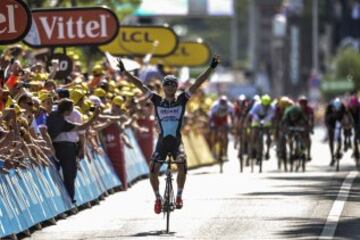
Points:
[[205, 75], [137, 82]]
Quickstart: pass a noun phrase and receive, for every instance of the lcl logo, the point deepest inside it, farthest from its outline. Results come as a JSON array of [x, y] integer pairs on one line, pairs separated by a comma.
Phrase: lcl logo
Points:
[[15, 20], [137, 37]]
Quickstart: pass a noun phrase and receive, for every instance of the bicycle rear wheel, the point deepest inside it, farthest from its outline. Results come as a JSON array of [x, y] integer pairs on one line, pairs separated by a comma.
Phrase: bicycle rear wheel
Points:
[[260, 151]]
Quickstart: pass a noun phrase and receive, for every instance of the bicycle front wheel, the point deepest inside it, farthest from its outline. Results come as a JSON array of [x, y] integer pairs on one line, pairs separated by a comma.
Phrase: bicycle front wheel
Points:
[[169, 202]]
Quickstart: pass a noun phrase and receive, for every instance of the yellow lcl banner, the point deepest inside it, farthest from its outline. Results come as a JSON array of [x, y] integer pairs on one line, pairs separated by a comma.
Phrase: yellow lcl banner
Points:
[[141, 40], [190, 54]]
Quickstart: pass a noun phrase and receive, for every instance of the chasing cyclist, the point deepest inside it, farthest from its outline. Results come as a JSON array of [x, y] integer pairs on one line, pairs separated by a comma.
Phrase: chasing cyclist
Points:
[[169, 111], [335, 113], [294, 117], [221, 118], [310, 120], [262, 113], [354, 109]]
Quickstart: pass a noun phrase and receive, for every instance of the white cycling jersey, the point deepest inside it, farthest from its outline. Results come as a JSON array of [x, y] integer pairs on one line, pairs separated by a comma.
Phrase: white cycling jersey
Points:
[[261, 113]]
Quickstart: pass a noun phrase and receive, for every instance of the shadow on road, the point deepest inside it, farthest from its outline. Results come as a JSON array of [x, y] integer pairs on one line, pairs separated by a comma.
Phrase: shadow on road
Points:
[[318, 187], [153, 233], [301, 228], [308, 228]]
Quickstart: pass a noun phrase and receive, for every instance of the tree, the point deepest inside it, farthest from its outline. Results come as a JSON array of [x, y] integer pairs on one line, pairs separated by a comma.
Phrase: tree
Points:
[[348, 65]]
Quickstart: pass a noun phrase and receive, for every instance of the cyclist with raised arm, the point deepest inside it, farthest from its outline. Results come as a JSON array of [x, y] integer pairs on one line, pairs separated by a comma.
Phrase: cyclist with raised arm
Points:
[[169, 111]]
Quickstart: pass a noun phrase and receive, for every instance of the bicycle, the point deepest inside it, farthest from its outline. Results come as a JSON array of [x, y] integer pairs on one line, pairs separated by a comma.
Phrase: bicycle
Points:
[[259, 147], [337, 142], [168, 204], [242, 145], [356, 147], [297, 153], [281, 150], [221, 145]]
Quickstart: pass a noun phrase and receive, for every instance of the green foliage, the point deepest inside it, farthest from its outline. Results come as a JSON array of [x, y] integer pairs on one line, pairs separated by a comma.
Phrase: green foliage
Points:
[[348, 65]]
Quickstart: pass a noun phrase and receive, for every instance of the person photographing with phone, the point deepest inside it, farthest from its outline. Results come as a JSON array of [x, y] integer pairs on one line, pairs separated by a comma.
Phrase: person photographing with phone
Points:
[[169, 111]]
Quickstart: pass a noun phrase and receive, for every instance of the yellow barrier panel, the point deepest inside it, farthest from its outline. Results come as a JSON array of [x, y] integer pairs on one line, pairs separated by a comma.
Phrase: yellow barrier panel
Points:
[[191, 156], [190, 54], [201, 149], [140, 40]]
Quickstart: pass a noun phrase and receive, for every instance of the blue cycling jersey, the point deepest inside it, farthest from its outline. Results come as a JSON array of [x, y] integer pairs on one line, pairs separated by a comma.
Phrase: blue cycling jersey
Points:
[[170, 115]]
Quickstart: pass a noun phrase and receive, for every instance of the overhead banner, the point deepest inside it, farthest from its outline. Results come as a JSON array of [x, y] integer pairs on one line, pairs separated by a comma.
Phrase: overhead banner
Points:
[[15, 21], [141, 40], [72, 27], [190, 54]]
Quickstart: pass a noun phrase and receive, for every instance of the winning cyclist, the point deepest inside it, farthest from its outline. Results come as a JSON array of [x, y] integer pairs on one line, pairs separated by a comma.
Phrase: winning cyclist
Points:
[[169, 112]]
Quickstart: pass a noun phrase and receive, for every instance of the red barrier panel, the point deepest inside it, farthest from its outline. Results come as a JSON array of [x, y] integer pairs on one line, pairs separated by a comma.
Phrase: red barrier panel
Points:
[[114, 147], [146, 139]]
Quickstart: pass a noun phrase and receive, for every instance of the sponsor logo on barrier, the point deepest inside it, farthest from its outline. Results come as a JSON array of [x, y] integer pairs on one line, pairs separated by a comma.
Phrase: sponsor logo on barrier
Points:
[[72, 27], [15, 20], [191, 54], [140, 40]]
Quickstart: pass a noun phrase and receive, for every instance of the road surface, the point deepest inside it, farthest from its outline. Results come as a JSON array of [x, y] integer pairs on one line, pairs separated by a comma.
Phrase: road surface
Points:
[[317, 204]]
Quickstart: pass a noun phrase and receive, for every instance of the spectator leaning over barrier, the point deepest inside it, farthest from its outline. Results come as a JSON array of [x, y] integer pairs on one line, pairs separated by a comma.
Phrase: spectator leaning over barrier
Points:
[[66, 148], [170, 112]]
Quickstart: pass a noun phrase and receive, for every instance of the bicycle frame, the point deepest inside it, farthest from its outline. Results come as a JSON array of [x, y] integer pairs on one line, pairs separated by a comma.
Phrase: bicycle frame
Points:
[[259, 147], [169, 197], [299, 149]]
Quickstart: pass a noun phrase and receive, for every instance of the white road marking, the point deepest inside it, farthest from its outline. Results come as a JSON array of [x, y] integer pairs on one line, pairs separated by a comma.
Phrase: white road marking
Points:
[[337, 208]]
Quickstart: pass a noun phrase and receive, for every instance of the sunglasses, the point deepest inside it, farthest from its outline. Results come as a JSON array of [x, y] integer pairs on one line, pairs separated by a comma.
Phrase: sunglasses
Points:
[[169, 83]]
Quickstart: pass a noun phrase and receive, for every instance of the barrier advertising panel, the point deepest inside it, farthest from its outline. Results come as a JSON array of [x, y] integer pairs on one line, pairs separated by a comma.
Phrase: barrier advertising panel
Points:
[[190, 54], [72, 27], [142, 40]]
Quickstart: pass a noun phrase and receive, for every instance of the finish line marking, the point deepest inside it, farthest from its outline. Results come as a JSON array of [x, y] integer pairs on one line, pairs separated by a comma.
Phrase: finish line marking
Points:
[[338, 206]]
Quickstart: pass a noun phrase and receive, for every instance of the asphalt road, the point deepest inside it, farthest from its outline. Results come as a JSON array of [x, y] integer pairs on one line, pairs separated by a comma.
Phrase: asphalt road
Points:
[[317, 204]]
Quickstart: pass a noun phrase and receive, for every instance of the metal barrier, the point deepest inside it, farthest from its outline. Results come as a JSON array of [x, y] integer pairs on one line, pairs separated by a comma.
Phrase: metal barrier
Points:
[[35, 194], [136, 165]]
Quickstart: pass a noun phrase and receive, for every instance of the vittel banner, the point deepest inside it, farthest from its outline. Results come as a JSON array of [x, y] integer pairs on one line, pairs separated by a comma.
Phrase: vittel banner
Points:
[[72, 27], [15, 21]]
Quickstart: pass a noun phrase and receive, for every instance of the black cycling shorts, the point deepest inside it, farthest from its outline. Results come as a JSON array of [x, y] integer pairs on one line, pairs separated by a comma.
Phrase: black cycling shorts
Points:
[[169, 145]]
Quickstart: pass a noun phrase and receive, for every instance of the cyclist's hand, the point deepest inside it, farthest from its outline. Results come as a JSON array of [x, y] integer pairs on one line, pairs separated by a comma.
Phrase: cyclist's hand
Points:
[[215, 61], [120, 65]]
